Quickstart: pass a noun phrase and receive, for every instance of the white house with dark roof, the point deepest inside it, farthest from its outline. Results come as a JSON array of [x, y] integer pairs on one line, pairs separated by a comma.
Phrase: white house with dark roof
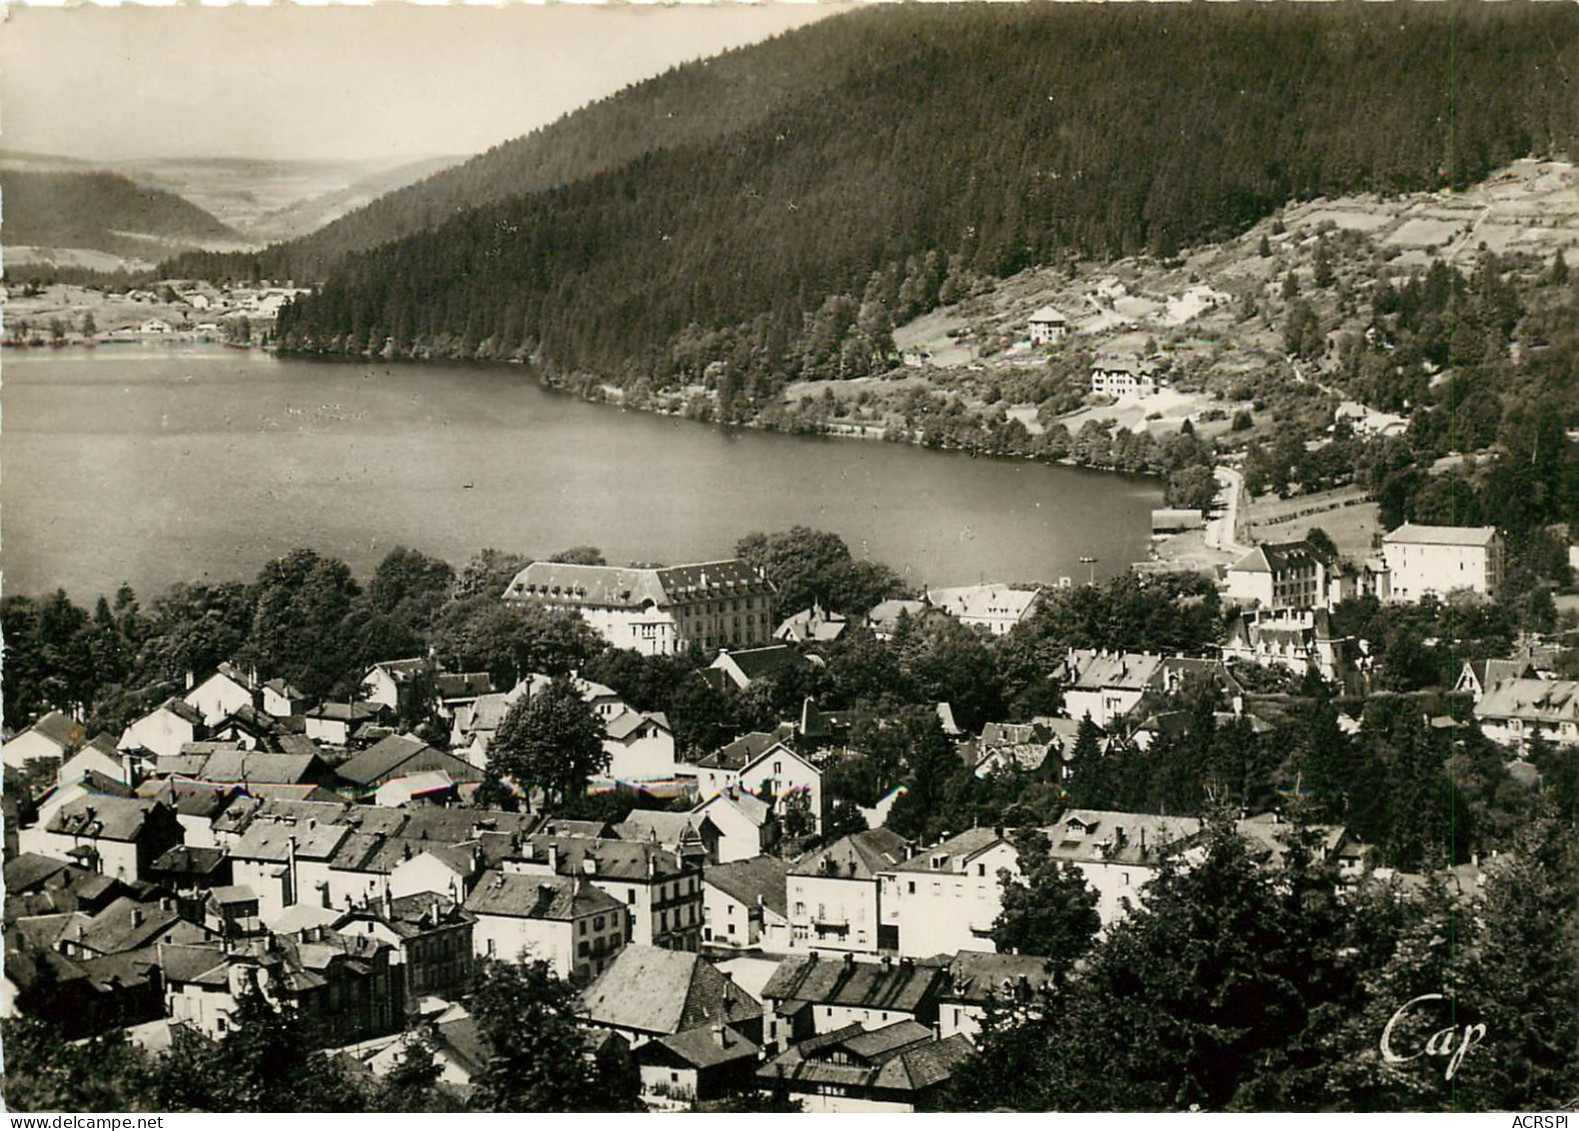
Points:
[[835, 896], [118, 836], [1048, 326], [1281, 575], [744, 823], [640, 746], [660, 611], [979, 980], [945, 898], [1107, 685], [1440, 559], [334, 723], [51, 739], [391, 682], [901, 1067], [745, 904], [1121, 377], [564, 921], [228, 690], [739, 669], [1118, 853], [812, 626], [164, 730]]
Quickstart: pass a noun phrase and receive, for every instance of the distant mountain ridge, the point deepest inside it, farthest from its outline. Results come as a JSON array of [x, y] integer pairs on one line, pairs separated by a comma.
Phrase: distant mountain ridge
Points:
[[100, 211], [875, 161]]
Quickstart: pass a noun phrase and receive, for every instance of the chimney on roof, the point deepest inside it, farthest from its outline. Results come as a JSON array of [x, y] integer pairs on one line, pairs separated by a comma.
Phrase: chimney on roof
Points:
[[849, 961], [137, 916], [721, 1035], [191, 679], [553, 857]]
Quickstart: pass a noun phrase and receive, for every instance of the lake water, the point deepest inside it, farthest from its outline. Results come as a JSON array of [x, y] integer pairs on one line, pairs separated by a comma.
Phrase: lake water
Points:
[[153, 464]]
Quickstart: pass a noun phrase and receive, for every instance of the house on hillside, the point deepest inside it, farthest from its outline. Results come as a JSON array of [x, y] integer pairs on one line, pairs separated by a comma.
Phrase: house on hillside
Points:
[[743, 823], [1122, 377], [118, 836], [1514, 710], [1048, 326], [1479, 676], [1118, 853], [1107, 685], [809, 995], [226, 691], [1296, 641], [981, 980]]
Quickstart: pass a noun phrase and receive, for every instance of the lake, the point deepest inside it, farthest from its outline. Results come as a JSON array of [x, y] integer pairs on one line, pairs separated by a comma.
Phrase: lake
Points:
[[153, 464]]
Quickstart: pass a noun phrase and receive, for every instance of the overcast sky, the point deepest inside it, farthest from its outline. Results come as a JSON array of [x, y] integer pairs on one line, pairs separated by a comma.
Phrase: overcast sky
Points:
[[292, 82]]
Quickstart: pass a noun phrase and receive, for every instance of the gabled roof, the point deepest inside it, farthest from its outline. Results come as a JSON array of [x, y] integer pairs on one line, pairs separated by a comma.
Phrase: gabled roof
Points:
[[762, 663], [356, 712], [402, 671], [745, 748], [652, 990], [537, 897], [1410, 534], [271, 840], [58, 728], [462, 685], [758, 878], [191, 860], [898, 986], [750, 806], [660, 827], [859, 856], [614, 859], [189, 798], [1101, 835], [1277, 557], [628, 722], [913, 1065], [404, 754], [30, 870]]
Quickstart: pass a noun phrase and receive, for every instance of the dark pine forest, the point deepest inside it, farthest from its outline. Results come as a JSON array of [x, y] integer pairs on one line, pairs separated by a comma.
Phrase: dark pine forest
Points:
[[842, 178]]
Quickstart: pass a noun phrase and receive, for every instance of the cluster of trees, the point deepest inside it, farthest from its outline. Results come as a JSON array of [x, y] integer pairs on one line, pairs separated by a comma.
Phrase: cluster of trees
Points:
[[995, 154], [1242, 987], [269, 1062]]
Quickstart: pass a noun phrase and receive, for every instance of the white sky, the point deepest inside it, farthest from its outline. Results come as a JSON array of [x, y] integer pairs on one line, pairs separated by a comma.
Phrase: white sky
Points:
[[393, 79]]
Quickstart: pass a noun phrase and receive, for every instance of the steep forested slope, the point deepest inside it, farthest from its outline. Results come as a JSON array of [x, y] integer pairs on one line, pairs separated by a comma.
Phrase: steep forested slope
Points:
[[96, 210], [969, 140]]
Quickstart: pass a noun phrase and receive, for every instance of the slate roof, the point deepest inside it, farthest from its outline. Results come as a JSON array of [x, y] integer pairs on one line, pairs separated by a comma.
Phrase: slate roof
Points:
[[1545, 701], [1279, 557], [979, 976], [189, 798], [699, 1047], [256, 766], [462, 685], [104, 817], [914, 1064], [1095, 671], [984, 601], [537, 897], [627, 722], [1410, 534], [900, 986], [1488, 672], [752, 807], [745, 749], [612, 859], [29, 870], [191, 860], [763, 663], [659, 827], [270, 840], [56, 727], [1102, 835], [652, 990], [382, 760], [631, 587], [347, 712], [859, 856], [746, 880], [957, 850]]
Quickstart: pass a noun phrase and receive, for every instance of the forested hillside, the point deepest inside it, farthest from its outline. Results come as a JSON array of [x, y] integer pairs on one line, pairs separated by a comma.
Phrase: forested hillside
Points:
[[101, 211], [964, 142]]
